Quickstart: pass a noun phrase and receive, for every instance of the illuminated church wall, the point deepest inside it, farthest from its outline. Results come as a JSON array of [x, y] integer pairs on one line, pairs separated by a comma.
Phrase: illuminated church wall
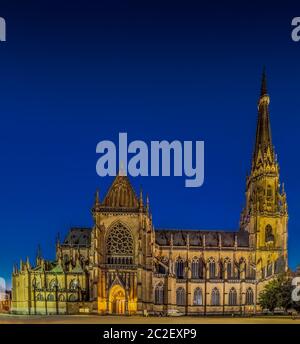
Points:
[[124, 265]]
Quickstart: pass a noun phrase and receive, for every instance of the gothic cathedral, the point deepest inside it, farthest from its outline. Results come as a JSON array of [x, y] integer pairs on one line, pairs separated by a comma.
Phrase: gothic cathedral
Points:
[[123, 265]]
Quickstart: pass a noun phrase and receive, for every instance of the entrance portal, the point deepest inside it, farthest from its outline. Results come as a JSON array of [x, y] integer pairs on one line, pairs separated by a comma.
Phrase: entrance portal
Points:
[[117, 300]]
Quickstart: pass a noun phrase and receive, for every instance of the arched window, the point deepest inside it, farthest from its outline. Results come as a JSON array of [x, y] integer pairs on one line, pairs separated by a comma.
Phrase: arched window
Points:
[[232, 297], [73, 298], [249, 297], [212, 269], [215, 297], [195, 268], [179, 268], [74, 284], [50, 297], [40, 297], [269, 236], [269, 269], [61, 298], [198, 299], [180, 296], [119, 243], [159, 294], [279, 265]]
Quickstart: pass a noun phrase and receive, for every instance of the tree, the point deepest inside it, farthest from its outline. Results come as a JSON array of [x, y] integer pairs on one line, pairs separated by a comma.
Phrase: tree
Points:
[[285, 294], [276, 294]]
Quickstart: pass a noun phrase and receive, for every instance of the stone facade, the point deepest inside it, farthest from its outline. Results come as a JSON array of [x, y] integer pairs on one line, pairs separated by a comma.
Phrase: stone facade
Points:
[[123, 265], [5, 301]]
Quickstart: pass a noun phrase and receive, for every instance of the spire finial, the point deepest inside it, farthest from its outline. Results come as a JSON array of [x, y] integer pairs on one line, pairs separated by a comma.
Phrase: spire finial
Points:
[[141, 197], [27, 263], [97, 197], [122, 171], [147, 203], [38, 257], [263, 90], [58, 239], [59, 260], [39, 251]]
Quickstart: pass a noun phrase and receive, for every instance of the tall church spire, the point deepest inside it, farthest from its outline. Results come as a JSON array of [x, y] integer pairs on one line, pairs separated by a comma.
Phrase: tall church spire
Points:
[[263, 89], [263, 142]]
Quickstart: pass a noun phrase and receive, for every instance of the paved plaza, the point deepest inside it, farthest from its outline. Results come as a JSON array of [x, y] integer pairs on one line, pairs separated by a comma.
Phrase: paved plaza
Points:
[[94, 319]]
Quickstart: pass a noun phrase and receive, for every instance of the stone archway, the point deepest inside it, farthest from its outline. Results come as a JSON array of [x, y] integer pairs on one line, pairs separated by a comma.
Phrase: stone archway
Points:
[[117, 300]]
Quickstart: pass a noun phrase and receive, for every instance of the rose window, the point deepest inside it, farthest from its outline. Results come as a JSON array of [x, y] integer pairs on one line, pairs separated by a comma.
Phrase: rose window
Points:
[[119, 245]]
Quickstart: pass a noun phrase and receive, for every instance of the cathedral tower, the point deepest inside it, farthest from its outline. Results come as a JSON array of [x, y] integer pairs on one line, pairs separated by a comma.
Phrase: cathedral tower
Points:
[[121, 251], [265, 215]]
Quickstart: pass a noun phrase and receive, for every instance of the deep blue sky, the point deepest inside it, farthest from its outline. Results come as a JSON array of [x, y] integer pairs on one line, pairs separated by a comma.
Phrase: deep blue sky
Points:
[[75, 73]]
